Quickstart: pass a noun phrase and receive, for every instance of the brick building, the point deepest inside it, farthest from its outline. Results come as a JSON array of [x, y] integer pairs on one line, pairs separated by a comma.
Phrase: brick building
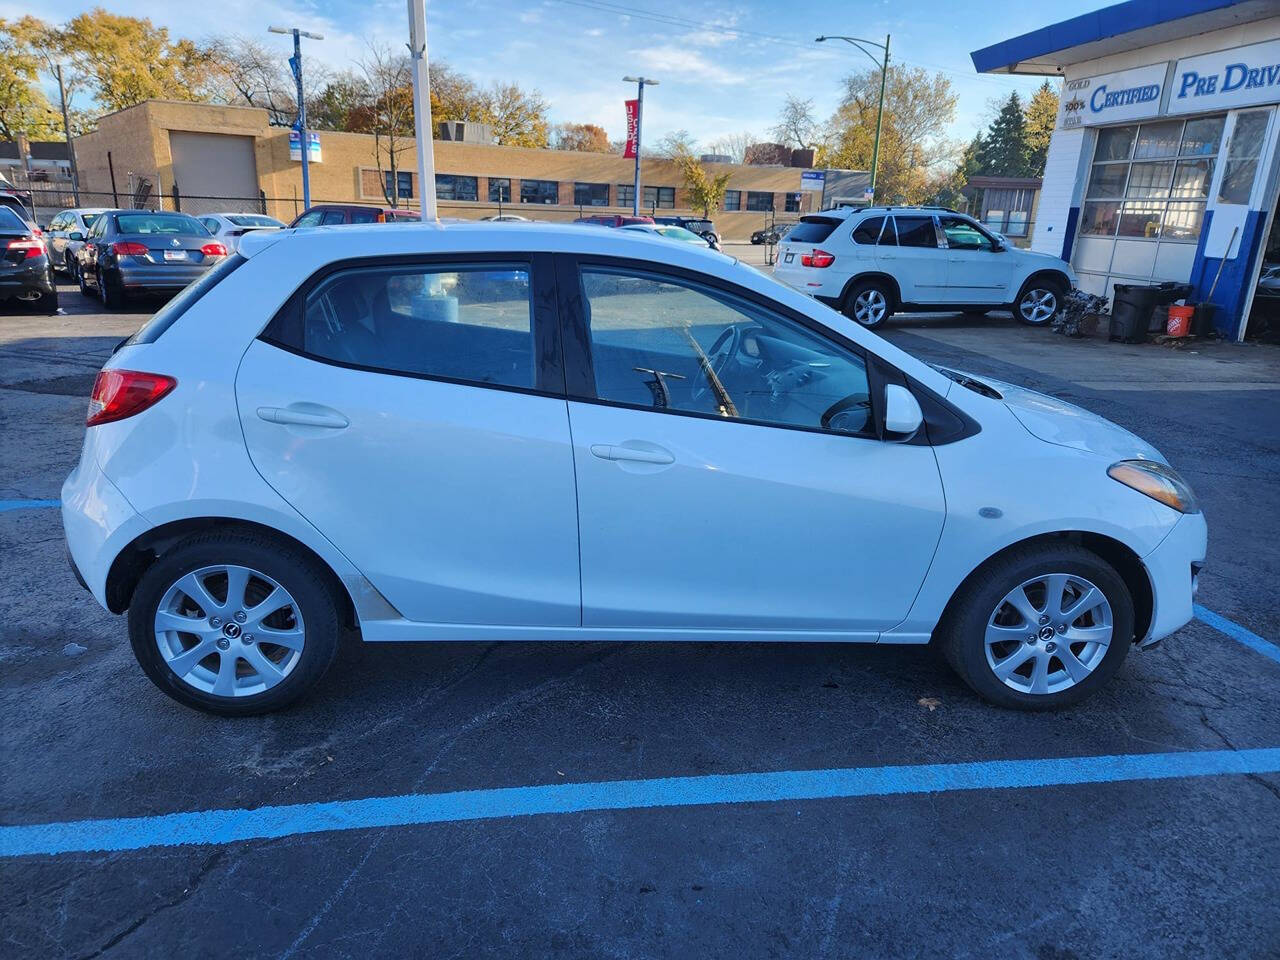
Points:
[[222, 157]]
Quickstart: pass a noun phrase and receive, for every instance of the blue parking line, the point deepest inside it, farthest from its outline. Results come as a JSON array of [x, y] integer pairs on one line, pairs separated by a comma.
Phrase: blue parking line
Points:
[[28, 504], [1237, 632], [231, 826]]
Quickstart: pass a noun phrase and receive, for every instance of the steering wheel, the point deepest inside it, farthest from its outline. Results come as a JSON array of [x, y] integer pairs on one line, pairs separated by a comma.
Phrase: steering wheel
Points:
[[849, 415], [726, 346]]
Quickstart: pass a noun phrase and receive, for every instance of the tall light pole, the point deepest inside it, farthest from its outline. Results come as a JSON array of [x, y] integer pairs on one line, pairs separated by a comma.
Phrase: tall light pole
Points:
[[640, 82], [66, 129], [884, 73], [295, 64], [422, 108]]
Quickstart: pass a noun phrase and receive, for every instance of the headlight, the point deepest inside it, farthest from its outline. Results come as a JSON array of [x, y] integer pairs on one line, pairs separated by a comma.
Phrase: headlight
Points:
[[1157, 481]]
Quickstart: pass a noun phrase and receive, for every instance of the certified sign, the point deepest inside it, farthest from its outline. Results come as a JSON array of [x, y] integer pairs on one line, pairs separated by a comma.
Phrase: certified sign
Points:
[[1243, 77], [1112, 97]]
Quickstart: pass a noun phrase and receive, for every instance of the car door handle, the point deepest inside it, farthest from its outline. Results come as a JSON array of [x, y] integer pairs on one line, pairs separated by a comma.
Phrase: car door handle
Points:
[[303, 418], [616, 451]]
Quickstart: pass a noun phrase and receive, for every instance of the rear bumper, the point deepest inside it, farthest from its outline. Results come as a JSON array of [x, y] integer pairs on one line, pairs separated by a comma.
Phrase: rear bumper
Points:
[[159, 276], [1172, 568], [25, 279]]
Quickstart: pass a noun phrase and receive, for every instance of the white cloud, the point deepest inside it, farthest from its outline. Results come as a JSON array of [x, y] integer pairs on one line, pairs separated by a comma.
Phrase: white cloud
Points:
[[672, 61]]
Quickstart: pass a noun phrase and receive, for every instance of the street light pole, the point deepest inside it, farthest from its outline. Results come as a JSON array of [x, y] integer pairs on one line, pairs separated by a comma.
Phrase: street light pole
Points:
[[66, 129], [295, 64], [422, 109], [640, 82], [883, 64]]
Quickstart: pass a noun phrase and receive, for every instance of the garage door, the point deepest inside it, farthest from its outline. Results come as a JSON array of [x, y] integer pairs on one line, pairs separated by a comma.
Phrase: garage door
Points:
[[213, 165]]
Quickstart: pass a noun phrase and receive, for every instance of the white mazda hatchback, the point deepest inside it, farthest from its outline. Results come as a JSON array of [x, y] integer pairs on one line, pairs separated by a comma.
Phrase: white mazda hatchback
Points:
[[460, 433]]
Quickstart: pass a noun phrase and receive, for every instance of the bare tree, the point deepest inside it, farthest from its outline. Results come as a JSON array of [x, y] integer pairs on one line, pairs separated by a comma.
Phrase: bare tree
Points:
[[677, 143], [389, 114], [734, 145], [797, 126]]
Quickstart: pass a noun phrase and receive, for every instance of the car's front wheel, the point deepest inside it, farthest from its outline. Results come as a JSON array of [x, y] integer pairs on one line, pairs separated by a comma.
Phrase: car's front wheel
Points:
[[1039, 302], [234, 623], [869, 303], [1041, 627]]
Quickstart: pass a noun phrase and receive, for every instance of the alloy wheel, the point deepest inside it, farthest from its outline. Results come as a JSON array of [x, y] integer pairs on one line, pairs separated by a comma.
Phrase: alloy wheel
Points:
[[869, 307], [229, 630], [1038, 305], [1048, 633]]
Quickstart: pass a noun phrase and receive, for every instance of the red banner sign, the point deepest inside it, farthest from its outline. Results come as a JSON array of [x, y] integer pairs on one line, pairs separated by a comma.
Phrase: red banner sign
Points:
[[633, 127]]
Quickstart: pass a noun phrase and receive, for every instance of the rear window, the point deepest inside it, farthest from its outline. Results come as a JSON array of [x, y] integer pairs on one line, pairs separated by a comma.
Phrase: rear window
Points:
[[186, 298], [88, 219], [813, 229], [10, 220], [868, 231], [163, 223]]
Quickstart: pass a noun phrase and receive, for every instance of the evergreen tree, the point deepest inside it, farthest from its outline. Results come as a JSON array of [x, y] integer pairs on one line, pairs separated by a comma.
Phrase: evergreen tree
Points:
[[1005, 152], [1041, 118]]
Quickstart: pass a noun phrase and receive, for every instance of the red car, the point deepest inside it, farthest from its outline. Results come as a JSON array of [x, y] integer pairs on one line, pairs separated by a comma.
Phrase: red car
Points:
[[324, 214], [614, 220]]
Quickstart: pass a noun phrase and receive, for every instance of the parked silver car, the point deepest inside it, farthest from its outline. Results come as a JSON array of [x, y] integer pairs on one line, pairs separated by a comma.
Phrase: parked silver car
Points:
[[65, 236], [131, 252], [230, 227]]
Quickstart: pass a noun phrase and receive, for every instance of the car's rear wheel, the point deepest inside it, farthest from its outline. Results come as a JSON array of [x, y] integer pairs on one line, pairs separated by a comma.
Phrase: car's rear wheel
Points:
[[1040, 627], [869, 303], [234, 624], [112, 297], [84, 287], [1039, 302]]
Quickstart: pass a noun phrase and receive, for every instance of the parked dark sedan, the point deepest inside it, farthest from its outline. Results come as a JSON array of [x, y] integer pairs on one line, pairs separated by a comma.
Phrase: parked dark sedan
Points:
[[25, 275], [131, 252], [327, 214], [771, 234]]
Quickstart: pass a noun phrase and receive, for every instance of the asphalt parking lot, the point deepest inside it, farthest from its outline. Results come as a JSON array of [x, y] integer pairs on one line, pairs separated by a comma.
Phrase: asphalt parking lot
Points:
[[1032, 848]]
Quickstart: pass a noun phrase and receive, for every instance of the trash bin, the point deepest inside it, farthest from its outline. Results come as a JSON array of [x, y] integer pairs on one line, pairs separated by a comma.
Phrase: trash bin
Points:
[[1133, 304], [1166, 293]]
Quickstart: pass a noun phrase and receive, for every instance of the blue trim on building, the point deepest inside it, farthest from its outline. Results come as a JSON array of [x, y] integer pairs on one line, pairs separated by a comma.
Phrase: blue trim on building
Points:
[[1069, 234], [1233, 286], [1113, 21]]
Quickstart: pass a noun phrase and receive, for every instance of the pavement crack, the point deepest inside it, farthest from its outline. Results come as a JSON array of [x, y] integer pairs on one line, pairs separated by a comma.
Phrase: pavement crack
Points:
[[187, 893]]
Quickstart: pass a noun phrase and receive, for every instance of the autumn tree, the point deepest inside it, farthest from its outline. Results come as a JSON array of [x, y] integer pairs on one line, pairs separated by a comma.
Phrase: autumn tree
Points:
[[341, 104], [387, 114], [674, 145], [518, 117], [706, 192], [797, 125], [1041, 117], [582, 137], [918, 108], [23, 106]]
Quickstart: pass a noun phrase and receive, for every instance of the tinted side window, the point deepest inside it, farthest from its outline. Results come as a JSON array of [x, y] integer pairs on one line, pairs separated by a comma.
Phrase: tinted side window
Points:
[[662, 343], [916, 232], [963, 235], [334, 216], [310, 218], [813, 229], [868, 231], [360, 216], [459, 322]]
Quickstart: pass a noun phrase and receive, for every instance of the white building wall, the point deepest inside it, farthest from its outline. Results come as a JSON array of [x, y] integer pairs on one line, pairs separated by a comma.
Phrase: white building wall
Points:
[[1058, 193]]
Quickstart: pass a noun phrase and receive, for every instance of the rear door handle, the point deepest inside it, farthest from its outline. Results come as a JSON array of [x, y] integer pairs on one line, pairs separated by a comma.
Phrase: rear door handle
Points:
[[615, 451], [303, 418]]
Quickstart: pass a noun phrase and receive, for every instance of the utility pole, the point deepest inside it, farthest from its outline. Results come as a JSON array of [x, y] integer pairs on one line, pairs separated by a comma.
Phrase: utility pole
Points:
[[66, 129], [422, 109], [295, 64], [883, 64], [640, 82]]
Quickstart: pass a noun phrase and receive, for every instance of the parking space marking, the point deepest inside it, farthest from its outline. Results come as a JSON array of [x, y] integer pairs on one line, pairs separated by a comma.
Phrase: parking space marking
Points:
[[1238, 633], [235, 825], [28, 504]]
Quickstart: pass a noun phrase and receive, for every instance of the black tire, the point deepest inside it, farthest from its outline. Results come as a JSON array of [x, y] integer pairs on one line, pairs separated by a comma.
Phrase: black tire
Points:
[[309, 584], [961, 635], [864, 289], [69, 266], [84, 287], [111, 296], [1035, 287]]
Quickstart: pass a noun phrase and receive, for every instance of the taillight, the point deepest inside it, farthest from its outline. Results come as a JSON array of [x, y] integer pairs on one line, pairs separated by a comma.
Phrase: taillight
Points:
[[817, 258], [129, 248], [214, 250], [118, 394], [29, 247]]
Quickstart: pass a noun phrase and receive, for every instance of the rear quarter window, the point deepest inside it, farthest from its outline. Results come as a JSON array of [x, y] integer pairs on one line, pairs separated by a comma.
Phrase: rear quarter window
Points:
[[868, 231], [813, 229]]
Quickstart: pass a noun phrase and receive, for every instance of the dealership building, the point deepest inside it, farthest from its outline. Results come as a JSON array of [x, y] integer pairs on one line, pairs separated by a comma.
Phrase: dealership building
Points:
[[1163, 164]]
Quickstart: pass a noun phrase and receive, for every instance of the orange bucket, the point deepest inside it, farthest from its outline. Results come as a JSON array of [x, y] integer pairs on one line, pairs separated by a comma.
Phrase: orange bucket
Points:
[[1179, 320]]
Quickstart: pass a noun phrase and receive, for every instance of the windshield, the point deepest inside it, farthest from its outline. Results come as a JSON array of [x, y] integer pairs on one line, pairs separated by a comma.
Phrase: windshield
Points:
[[159, 223], [88, 218], [680, 233], [253, 220]]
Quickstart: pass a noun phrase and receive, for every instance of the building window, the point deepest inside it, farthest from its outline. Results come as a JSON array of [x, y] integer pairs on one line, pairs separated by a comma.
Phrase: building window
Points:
[[404, 184], [1243, 150], [499, 190], [539, 191], [1007, 210], [591, 194], [626, 194], [792, 204], [662, 197], [452, 187], [758, 200], [733, 199], [1150, 181]]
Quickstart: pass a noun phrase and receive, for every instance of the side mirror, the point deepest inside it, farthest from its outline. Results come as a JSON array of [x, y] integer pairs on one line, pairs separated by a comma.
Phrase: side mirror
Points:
[[76, 236], [902, 414]]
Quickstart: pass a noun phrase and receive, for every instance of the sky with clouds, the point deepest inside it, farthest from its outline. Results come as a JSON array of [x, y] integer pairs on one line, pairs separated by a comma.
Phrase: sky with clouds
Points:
[[724, 67]]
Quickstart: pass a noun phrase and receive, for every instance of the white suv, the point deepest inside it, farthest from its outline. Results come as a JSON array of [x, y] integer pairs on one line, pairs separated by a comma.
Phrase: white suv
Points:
[[870, 262], [469, 432]]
